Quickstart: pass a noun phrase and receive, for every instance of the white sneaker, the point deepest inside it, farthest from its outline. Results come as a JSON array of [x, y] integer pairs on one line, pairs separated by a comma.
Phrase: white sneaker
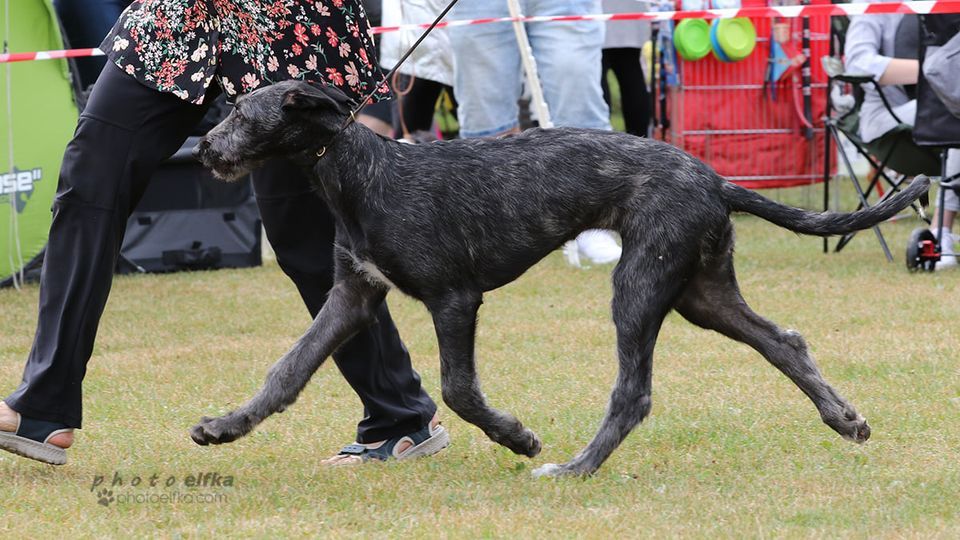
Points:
[[946, 262], [598, 245], [572, 253]]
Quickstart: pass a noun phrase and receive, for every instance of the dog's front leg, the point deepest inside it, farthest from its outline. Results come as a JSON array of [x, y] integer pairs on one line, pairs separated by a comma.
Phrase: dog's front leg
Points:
[[351, 304], [455, 319]]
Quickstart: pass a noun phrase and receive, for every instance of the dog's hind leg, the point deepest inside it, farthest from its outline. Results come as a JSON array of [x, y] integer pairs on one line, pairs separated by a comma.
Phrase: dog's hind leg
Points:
[[351, 303], [455, 319], [645, 287], [713, 301]]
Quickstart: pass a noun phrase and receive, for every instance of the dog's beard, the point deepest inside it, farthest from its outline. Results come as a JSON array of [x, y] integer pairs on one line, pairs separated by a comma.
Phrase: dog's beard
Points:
[[229, 175], [230, 171]]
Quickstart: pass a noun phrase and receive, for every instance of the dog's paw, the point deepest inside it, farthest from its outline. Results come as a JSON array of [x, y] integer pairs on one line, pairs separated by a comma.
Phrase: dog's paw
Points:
[[525, 443], [221, 430], [858, 430], [547, 470], [851, 426], [552, 470]]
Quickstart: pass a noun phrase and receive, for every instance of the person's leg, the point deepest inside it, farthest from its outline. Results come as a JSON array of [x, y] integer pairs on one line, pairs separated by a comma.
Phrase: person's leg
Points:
[[569, 60], [951, 205], [124, 132], [419, 105], [634, 98], [606, 65], [487, 71], [375, 362]]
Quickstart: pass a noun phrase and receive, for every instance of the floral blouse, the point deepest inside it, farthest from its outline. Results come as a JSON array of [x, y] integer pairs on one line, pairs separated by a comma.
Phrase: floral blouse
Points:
[[182, 46]]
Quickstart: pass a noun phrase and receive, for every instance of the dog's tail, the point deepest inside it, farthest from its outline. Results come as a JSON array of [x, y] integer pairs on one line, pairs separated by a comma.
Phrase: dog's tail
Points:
[[821, 223]]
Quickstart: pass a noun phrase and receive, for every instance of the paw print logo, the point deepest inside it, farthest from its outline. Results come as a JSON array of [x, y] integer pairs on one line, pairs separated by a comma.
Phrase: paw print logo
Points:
[[105, 497]]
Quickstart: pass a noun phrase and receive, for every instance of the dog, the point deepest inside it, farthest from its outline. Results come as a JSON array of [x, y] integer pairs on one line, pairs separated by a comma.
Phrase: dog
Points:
[[447, 221]]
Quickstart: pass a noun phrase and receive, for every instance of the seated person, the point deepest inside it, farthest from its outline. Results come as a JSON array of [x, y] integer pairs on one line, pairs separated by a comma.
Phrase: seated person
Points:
[[885, 47]]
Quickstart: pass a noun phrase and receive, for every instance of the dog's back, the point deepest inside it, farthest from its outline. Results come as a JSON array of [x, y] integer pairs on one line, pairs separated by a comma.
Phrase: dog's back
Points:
[[488, 209]]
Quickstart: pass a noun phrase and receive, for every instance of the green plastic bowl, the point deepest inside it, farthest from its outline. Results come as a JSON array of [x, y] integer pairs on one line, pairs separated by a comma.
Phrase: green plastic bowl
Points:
[[737, 37], [692, 39]]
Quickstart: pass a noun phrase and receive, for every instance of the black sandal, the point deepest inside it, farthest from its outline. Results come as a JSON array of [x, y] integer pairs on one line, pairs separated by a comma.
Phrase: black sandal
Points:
[[426, 442], [31, 440]]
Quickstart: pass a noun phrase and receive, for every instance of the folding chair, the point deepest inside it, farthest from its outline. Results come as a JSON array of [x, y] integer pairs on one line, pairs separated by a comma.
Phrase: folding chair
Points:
[[937, 130], [893, 151]]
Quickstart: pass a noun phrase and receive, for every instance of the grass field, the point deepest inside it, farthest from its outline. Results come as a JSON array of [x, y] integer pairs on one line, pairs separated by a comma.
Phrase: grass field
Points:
[[732, 448]]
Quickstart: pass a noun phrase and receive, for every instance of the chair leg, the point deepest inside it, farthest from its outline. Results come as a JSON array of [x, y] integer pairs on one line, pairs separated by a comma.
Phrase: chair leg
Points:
[[827, 139], [879, 167], [847, 238], [863, 200], [874, 182]]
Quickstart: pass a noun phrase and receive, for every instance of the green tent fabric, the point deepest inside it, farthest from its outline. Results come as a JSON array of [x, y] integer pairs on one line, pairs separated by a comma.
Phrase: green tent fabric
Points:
[[37, 118]]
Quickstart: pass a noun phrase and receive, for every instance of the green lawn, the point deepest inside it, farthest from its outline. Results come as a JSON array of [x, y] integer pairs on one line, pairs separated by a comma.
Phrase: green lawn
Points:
[[732, 448]]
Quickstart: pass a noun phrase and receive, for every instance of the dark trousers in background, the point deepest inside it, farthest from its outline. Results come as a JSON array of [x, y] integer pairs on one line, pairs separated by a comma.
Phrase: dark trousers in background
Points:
[[86, 23], [418, 100], [634, 97], [123, 134]]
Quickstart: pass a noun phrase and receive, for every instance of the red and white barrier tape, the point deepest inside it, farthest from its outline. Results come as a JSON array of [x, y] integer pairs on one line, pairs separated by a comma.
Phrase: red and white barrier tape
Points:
[[923, 7], [920, 7], [49, 55]]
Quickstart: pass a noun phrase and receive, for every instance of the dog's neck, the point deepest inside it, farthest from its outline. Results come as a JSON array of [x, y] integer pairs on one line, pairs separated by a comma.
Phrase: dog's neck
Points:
[[345, 167]]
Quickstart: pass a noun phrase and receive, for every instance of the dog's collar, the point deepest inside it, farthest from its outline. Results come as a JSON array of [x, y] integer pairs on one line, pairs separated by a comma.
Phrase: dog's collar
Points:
[[323, 149]]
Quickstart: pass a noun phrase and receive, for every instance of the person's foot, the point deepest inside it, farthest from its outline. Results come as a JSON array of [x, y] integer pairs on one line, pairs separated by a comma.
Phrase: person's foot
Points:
[[423, 443], [34, 439], [599, 246], [948, 261]]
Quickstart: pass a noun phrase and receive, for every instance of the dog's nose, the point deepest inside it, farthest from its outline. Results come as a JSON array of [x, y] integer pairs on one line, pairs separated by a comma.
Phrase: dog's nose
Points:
[[200, 148]]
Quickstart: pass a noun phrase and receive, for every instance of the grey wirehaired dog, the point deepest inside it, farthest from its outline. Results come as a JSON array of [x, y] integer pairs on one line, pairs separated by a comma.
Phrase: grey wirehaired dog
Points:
[[447, 221]]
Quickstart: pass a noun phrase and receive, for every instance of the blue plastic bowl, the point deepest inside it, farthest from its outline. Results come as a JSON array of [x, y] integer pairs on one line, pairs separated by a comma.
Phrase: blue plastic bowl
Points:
[[717, 49]]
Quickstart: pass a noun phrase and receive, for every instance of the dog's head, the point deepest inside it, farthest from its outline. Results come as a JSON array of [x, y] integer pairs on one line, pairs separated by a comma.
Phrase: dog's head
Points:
[[279, 120]]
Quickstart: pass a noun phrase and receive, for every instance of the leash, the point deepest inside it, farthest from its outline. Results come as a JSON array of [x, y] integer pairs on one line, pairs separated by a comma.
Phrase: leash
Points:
[[368, 97]]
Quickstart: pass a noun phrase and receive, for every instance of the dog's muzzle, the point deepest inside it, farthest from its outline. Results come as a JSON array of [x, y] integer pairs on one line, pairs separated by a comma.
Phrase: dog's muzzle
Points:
[[199, 149]]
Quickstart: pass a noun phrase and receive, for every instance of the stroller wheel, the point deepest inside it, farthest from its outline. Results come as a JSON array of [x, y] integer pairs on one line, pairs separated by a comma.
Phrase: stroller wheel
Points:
[[922, 251]]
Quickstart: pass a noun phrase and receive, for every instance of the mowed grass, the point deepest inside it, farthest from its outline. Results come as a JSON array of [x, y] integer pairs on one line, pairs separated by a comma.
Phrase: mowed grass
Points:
[[732, 448]]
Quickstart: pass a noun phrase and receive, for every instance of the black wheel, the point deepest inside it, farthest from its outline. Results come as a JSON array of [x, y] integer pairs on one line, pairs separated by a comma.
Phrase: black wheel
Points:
[[921, 250]]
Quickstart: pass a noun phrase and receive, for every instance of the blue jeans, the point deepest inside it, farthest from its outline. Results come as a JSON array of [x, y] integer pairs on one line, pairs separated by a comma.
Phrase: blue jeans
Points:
[[488, 70]]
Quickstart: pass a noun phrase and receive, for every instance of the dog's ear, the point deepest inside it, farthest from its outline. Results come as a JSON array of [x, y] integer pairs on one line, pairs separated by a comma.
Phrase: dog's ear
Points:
[[308, 97]]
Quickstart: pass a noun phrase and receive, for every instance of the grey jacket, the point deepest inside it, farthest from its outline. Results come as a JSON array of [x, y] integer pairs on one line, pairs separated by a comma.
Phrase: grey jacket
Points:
[[869, 49]]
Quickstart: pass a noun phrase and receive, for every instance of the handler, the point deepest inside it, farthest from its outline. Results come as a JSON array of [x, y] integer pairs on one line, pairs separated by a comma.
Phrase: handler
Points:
[[168, 60]]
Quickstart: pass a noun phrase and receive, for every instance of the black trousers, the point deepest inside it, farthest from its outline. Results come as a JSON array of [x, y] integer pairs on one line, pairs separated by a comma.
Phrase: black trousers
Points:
[[123, 134], [634, 97], [420, 102]]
